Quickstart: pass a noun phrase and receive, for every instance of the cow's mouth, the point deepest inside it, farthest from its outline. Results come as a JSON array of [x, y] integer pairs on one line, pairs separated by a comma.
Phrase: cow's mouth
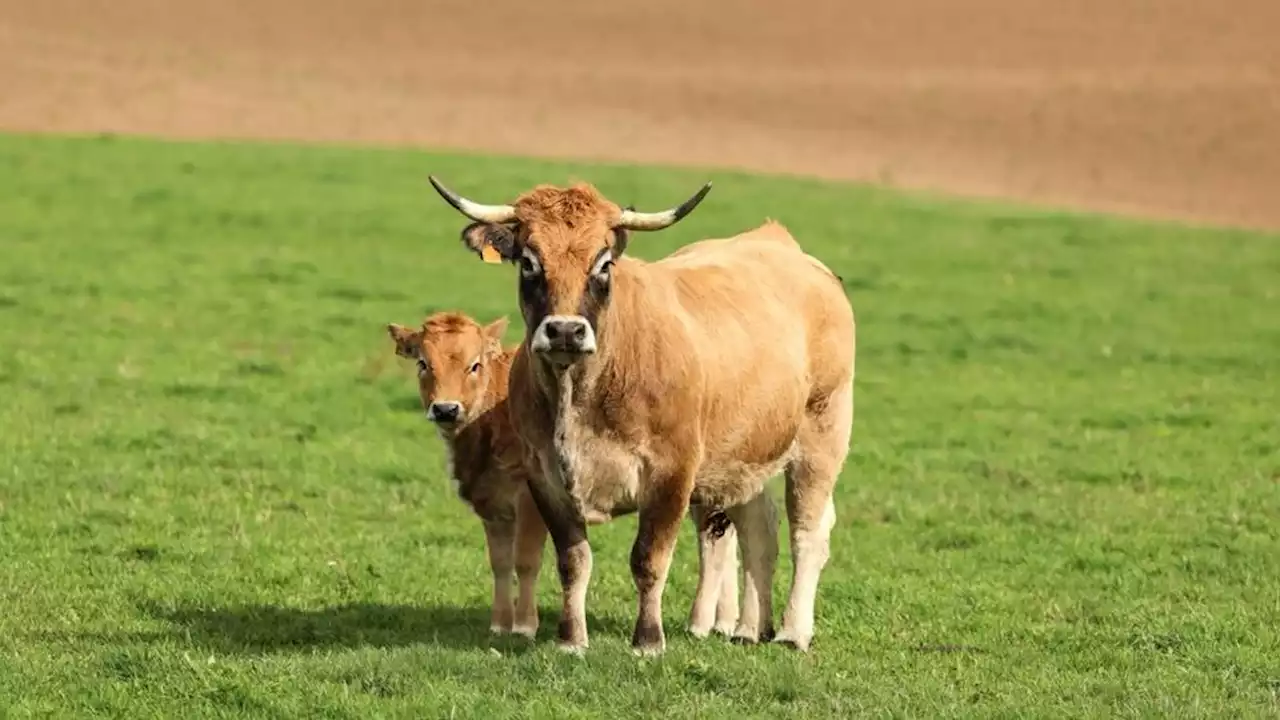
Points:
[[564, 356]]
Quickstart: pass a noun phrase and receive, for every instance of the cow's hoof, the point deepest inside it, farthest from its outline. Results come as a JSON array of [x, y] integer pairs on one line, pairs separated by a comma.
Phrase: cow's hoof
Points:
[[650, 650], [798, 642], [699, 631], [751, 636], [577, 649], [648, 638], [724, 628]]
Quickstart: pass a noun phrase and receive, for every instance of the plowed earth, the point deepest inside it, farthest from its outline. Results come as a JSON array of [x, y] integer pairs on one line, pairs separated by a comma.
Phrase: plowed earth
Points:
[[1152, 107]]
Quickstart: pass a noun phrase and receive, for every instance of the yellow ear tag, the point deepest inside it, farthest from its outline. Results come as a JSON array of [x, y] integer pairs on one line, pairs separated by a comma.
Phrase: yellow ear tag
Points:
[[489, 255]]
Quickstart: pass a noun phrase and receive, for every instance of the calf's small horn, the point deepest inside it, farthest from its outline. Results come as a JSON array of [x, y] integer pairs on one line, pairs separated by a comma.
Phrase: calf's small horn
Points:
[[632, 220], [474, 210]]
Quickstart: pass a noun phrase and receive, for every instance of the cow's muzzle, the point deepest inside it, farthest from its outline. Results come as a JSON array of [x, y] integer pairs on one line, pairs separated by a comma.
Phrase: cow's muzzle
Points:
[[566, 336]]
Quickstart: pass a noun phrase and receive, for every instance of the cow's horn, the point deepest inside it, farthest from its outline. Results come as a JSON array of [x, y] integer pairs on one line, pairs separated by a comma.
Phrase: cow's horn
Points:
[[632, 220], [474, 210]]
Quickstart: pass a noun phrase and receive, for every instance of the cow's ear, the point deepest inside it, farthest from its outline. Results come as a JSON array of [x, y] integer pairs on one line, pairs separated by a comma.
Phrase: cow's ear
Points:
[[620, 237], [493, 242]]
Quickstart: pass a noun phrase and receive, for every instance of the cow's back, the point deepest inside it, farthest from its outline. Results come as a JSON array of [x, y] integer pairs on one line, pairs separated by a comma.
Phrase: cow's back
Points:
[[758, 294], [773, 332]]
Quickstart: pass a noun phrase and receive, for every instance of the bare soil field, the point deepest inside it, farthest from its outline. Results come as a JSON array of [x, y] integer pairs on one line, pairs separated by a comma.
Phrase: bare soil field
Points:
[[1151, 107]]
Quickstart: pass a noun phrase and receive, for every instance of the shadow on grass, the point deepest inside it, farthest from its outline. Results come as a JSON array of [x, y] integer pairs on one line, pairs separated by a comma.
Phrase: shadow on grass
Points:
[[271, 628]]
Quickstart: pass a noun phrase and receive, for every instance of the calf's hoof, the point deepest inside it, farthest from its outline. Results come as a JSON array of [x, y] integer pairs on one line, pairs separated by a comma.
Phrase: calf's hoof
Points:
[[525, 631]]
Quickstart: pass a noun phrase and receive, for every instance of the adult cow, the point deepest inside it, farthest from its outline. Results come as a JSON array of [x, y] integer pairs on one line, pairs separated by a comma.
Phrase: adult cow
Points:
[[653, 384]]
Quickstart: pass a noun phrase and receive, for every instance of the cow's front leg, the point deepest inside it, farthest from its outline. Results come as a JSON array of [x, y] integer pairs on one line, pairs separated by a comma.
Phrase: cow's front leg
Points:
[[660, 518], [573, 559]]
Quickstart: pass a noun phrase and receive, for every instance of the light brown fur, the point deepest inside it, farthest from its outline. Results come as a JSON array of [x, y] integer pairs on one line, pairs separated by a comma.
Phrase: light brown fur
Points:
[[488, 466], [717, 367]]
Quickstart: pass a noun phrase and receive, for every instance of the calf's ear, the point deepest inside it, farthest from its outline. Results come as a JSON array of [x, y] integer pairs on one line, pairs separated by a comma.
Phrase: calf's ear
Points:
[[493, 333], [407, 340], [493, 242]]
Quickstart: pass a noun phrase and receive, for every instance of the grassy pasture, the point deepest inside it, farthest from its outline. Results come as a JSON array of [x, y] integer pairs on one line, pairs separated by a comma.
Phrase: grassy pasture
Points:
[[219, 497]]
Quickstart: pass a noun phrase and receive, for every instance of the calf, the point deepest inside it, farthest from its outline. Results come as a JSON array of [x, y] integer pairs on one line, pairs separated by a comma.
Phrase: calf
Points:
[[463, 373]]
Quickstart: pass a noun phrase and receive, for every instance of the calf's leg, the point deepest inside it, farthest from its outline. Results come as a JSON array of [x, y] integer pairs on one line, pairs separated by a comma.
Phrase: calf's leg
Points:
[[500, 540], [531, 538]]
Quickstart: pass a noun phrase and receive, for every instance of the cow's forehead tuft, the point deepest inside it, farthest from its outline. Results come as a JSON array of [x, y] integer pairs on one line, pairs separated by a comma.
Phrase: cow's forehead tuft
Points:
[[578, 205]]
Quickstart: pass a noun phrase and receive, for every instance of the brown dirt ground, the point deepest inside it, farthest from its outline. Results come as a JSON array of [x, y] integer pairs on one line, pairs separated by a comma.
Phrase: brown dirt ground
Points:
[[1152, 107]]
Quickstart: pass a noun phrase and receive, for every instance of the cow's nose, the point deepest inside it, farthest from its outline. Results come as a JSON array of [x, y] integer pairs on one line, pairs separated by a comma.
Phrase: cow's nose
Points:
[[564, 335], [444, 412], [571, 331]]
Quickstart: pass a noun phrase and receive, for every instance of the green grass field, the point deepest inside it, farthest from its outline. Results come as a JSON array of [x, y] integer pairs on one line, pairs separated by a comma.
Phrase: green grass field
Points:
[[219, 496]]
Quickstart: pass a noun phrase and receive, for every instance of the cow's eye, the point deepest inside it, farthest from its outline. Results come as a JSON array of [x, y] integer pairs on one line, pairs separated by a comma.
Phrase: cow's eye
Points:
[[529, 265], [603, 265], [475, 368], [422, 367]]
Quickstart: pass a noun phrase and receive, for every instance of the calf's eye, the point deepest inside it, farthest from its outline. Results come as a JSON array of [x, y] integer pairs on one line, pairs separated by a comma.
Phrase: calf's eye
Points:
[[475, 368]]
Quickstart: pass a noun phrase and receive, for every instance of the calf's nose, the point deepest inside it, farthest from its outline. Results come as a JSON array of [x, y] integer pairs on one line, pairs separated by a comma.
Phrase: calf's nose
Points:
[[444, 411]]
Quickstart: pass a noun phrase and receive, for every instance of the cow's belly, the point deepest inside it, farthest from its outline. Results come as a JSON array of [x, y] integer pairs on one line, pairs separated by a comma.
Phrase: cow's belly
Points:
[[728, 482], [604, 479]]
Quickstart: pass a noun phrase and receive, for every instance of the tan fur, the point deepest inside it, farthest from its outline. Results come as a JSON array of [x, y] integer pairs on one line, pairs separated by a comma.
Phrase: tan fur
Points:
[[717, 367], [491, 472]]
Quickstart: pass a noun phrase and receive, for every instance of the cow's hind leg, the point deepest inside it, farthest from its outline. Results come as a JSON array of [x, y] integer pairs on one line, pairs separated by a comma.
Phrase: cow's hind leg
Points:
[[727, 600], [715, 603], [811, 477], [757, 525]]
